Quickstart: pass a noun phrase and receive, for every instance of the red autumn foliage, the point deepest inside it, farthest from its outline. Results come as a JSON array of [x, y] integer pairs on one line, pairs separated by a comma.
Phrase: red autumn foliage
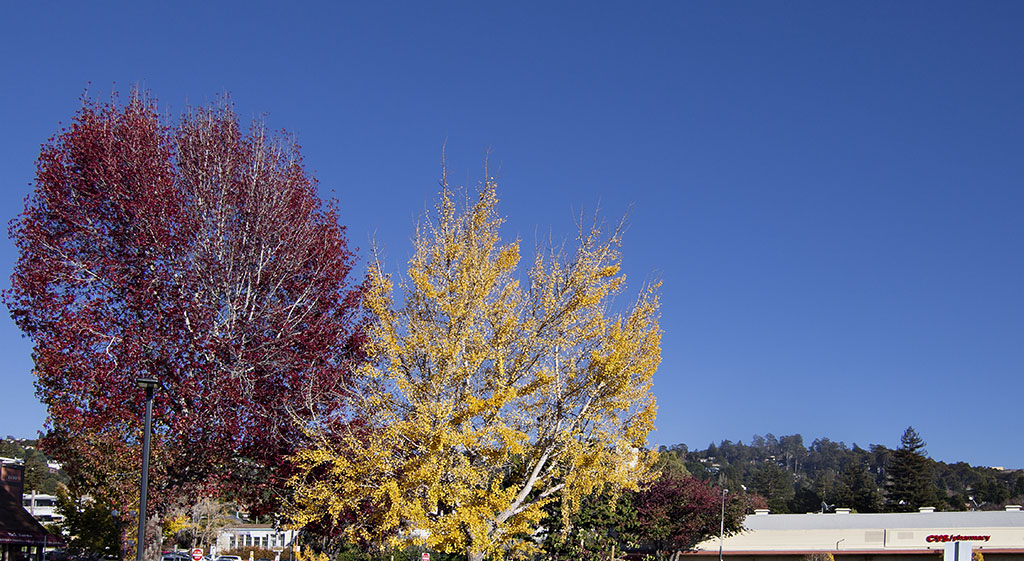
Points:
[[678, 511], [199, 254]]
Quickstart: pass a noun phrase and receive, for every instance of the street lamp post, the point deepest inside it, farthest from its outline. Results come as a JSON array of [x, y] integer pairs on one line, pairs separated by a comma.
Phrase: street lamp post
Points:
[[148, 384], [721, 528]]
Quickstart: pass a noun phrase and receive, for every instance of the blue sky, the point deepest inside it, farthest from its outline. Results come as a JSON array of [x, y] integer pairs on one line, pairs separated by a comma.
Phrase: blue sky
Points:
[[831, 192]]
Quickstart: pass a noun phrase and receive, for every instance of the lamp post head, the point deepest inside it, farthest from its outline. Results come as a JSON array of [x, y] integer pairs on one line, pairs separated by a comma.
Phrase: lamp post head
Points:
[[147, 383]]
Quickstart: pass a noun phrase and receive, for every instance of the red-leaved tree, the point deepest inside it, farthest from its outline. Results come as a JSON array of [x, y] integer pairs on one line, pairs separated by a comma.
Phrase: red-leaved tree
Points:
[[667, 518], [678, 511], [197, 253]]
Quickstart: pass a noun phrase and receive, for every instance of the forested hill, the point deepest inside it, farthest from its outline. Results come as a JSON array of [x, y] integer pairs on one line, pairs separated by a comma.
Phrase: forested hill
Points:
[[790, 474], [40, 473], [795, 477]]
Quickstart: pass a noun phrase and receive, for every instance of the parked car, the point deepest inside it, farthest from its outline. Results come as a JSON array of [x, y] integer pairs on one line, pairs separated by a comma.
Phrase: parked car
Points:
[[229, 558]]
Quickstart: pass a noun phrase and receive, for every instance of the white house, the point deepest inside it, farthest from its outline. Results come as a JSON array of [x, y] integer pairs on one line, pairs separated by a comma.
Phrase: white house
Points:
[[42, 507], [263, 536]]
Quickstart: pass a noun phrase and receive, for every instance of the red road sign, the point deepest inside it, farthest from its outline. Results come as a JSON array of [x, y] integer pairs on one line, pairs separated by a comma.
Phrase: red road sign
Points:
[[425, 557], [197, 554]]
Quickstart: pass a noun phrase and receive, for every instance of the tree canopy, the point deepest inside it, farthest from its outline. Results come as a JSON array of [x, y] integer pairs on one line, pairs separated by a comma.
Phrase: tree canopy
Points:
[[489, 395], [195, 252]]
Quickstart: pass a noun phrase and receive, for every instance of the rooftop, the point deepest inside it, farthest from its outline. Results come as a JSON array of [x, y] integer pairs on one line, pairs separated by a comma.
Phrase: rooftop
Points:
[[815, 521]]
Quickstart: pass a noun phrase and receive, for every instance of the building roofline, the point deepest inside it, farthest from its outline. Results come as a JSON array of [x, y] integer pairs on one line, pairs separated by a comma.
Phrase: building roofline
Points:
[[879, 520], [839, 553]]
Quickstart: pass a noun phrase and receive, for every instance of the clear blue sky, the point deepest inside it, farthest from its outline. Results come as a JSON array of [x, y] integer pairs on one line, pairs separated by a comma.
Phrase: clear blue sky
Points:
[[831, 192]]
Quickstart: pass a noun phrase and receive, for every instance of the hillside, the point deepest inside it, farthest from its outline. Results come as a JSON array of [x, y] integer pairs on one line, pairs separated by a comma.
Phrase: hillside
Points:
[[797, 478]]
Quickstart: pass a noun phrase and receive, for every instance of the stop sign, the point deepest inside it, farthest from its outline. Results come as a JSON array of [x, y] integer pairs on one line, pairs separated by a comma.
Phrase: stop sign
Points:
[[197, 554]]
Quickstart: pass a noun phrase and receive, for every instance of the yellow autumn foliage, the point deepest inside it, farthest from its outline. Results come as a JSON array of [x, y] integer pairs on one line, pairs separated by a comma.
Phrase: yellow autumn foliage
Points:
[[172, 525], [488, 394], [308, 554]]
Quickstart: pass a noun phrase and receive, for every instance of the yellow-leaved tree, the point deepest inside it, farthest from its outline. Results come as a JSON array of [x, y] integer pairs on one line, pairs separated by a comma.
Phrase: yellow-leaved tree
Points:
[[488, 393]]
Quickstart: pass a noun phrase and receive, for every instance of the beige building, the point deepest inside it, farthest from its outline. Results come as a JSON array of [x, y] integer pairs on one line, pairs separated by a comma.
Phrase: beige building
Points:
[[259, 536], [998, 535]]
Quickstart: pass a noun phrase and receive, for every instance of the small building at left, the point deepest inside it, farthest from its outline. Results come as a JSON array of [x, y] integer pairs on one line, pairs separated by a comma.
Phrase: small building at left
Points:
[[22, 537]]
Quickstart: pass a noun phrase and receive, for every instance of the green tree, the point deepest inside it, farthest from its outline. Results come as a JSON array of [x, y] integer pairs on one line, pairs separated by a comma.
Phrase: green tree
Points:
[[602, 521], [805, 499], [910, 484], [92, 526], [11, 448], [858, 490], [672, 460], [38, 475], [775, 485], [793, 450]]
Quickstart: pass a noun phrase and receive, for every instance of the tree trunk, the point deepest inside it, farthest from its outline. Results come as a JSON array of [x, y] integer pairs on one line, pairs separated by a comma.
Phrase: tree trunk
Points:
[[475, 556]]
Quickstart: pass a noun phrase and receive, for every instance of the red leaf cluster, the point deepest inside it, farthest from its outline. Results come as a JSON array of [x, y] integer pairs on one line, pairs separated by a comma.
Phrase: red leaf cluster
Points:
[[678, 511], [199, 254]]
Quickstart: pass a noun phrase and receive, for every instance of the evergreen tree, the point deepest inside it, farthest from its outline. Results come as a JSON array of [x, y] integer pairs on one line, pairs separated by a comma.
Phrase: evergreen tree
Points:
[[10, 448], [805, 499], [909, 484], [774, 484], [37, 474], [793, 451], [852, 477], [858, 490]]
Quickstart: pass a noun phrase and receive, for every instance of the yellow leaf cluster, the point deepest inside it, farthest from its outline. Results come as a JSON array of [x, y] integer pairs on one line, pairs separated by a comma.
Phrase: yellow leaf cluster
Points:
[[308, 554], [491, 394], [173, 524]]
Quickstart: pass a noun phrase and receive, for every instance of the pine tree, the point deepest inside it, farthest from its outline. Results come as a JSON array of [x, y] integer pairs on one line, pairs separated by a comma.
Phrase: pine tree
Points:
[[775, 484], [857, 490], [910, 484]]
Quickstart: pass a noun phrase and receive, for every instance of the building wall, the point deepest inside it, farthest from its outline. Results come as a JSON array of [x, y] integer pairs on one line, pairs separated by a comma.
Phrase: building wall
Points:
[[12, 479], [42, 507], [838, 540], [993, 555], [998, 535], [256, 535]]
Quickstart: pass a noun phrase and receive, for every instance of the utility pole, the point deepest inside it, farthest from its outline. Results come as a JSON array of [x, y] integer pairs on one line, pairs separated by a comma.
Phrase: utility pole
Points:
[[721, 528], [148, 384]]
